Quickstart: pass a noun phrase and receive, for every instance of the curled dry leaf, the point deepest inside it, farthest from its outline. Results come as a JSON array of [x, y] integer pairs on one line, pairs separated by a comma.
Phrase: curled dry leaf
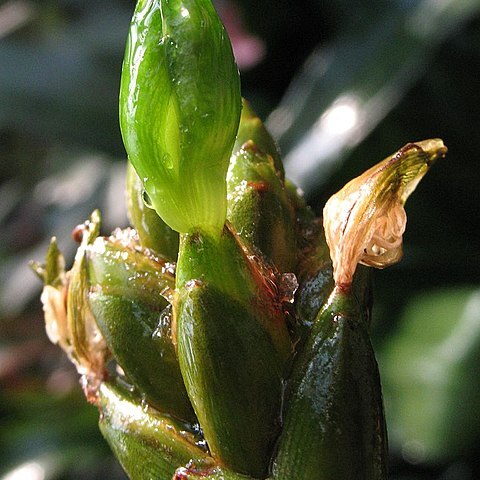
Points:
[[364, 222]]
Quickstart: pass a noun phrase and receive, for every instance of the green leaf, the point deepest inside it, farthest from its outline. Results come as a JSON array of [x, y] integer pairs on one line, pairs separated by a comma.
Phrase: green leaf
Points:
[[430, 376]]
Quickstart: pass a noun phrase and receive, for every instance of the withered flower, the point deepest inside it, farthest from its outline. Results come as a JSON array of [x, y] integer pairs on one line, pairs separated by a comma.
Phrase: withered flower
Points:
[[364, 222], [69, 321]]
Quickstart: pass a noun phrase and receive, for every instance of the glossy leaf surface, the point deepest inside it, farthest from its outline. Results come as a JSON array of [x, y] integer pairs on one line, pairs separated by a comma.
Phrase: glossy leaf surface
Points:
[[334, 400], [259, 206], [129, 296], [179, 109], [147, 444], [152, 231], [233, 376]]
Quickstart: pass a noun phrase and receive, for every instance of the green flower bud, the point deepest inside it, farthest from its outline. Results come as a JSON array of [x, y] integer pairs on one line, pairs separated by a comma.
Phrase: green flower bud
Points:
[[129, 296], [232, 347], [152, 231], [334, 425], [226, 264], [147, 444], [252, 129], [233, 376], [179, 109], [259, 207]]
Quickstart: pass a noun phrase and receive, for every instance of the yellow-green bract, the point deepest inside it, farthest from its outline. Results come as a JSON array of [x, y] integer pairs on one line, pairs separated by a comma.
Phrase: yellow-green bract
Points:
[[179, 109]]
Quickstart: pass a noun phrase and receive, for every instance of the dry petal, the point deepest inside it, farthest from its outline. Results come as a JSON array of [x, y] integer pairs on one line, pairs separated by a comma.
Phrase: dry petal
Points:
[[88, 347], [69, 321], [55, 310], [364, 222]]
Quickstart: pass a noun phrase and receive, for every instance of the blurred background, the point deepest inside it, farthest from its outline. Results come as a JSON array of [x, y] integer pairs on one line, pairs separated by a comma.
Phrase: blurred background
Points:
[[341, 84]]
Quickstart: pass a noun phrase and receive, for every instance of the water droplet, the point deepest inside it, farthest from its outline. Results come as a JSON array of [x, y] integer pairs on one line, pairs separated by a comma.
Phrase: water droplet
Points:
[[288, 286], [169, 268], [164, 323], [144, 405], [171, 43], [202, 444], [167, 161], [122, 379], [146, 199], [337, 318]]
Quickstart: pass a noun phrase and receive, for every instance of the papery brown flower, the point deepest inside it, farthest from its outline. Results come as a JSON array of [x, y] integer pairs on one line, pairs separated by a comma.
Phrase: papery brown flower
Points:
[[364, 222], [69, 321]]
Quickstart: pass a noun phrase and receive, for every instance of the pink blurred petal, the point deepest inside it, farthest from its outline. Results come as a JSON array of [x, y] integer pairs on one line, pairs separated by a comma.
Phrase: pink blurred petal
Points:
[[248, 49]]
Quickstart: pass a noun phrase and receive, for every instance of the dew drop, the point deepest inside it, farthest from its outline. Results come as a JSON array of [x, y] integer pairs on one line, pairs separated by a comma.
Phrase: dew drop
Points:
[[167, 161], [146, 199], [202, 444], [164, 323], [288, 287], [144, 405]]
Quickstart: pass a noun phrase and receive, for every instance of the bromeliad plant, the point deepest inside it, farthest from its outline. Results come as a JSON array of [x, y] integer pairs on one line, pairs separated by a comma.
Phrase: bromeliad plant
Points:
[[226, 335]]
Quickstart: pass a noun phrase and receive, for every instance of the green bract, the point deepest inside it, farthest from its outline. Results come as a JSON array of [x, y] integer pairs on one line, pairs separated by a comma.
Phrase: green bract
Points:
[[179, 109], [230, 323], [334, 426], [251, 128], [132, 311], [148, 444], [259, 206]]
